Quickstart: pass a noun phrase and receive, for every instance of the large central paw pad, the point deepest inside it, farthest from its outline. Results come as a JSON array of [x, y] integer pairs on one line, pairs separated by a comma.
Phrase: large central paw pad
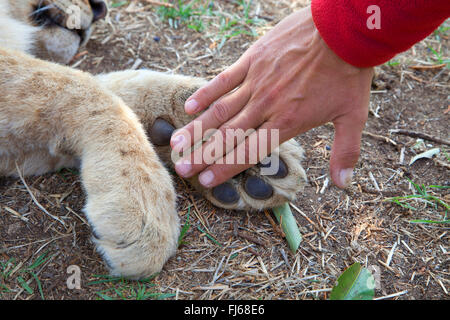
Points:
[[253, 188], [256, 189]]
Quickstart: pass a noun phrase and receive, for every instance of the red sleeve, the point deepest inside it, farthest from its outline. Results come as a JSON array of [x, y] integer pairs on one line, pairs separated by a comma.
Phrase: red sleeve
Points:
[[366, 37]]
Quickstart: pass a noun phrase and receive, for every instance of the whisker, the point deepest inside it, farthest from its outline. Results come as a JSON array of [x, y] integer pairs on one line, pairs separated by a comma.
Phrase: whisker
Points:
[[41, 9]]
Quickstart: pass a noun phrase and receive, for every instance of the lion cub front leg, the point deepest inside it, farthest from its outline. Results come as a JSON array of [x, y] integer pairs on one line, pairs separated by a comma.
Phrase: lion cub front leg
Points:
[[130, 196]]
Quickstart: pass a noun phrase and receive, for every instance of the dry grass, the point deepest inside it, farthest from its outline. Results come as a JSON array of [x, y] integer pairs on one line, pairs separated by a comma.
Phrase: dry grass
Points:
[[241, 255]]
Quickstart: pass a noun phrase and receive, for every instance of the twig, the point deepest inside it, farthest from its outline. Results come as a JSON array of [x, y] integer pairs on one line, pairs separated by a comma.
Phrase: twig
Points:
[[436, 66], [305, 216], [391, 254], [402, 156], [388, 267], [35, 200], [392, 295], [407, 247], [275, 227], [442, 163], [285, 258], [196, 211], [439, 282], [421, 135], [15, 213], [161, 4], [376, 136], [316, 291], [325, 185], [30, 243], [77, 56], [375, 183], [77, 215], [415, 78], [250, 238]]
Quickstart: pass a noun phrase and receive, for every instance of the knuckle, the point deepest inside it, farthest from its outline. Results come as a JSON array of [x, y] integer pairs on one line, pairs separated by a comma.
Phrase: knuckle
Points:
[[349, 154], [257, 52], [287, 120], [224, 79], [201, 93], [220, 112], [273, 95]]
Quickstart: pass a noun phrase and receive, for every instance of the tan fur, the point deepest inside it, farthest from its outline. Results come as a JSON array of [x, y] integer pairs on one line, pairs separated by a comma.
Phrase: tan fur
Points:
[[16, 34], [42, 112], [52, 116]]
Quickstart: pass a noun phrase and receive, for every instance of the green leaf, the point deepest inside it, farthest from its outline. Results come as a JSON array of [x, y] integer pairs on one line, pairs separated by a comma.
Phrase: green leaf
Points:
[[40, 260], [356, 283], [210, 237], [429, 221], [38, 284], [104, 296], [24, 285], [185, 228], [118, 4], [284, 216]]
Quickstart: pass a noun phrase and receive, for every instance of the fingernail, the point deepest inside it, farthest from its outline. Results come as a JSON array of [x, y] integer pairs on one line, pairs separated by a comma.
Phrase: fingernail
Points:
[[191, 106], [183, 167], [206, 178], [177, 142], [346, 176]]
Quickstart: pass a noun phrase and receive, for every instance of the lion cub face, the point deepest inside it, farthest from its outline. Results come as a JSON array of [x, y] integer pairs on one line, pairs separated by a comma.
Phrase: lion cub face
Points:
[[64, 25]]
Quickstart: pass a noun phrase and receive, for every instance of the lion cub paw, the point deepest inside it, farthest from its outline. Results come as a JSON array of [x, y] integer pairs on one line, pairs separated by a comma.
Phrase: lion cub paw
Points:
[[253, 188], [256, 189]]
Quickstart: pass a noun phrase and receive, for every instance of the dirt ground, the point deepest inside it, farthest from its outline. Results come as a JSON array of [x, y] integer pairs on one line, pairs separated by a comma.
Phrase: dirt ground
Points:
[[339, 227]]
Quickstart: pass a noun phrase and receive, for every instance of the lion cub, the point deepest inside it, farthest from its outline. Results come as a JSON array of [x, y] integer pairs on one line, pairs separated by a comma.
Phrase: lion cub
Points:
[[52, 116]]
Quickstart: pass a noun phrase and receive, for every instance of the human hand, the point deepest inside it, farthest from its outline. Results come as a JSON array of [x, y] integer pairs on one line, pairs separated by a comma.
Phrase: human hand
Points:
[[288, 80]]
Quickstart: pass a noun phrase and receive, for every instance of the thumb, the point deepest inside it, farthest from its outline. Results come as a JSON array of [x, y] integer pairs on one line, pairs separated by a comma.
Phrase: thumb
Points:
[[345, 151]]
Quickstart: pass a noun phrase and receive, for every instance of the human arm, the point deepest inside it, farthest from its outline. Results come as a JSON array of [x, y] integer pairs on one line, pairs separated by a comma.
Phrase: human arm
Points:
[[291, 80]]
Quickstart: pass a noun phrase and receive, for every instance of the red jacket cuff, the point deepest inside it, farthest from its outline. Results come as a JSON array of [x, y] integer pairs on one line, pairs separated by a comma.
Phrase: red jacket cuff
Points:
[[366, 38]]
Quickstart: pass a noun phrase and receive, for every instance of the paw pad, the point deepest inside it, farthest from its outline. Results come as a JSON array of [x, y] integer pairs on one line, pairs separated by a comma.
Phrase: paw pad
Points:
[[226, 193], [282, 169], [258, 188]]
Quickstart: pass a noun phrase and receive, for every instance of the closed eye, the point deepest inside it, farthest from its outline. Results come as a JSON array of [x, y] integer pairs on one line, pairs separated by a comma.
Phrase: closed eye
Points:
[[42, 17]]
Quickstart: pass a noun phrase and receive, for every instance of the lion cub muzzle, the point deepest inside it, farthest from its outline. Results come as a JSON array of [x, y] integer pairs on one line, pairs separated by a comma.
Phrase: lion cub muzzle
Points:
[[66, 25]]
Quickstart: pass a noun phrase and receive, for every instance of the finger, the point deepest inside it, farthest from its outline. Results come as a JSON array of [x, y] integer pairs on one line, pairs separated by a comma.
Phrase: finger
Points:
[[255, 148], [219, 113], [345, 151], [222, 84], [220, 143]]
